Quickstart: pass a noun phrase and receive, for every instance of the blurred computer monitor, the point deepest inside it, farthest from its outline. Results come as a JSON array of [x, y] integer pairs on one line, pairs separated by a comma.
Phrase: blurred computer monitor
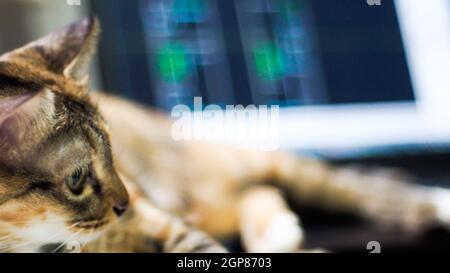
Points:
[[352, 77]]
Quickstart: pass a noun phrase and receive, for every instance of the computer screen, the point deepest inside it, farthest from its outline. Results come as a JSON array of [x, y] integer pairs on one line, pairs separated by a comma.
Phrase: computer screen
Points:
[[337, 69], [288, 52]]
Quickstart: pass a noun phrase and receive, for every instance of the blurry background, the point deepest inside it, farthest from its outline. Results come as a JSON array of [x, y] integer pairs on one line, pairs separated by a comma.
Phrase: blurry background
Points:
[[356, 82]]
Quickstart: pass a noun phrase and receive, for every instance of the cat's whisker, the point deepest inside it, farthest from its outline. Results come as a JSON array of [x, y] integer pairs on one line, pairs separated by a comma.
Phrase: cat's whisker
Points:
[[33, 221], [86, 241], [7, 236], [5, 240], [52, 237], [29, 243], [7, 249], [10, 249], [5, 245], [73, 225], [66, 241], [13, 248], [89, 239]]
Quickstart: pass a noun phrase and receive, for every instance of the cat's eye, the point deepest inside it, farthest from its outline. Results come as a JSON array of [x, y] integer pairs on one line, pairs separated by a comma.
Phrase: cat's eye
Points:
[[77, 180]]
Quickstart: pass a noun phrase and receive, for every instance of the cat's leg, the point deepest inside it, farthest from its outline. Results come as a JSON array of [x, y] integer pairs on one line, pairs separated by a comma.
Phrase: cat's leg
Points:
[[173, 234], [266, 223], [380, 195], [149, 229]]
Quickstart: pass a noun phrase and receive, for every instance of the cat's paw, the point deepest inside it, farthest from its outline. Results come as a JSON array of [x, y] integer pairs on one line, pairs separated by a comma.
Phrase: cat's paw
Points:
[[441, 201], [283, 234]]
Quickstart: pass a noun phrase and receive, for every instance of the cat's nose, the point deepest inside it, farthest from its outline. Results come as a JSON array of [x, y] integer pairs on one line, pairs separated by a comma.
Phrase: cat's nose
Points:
[[120, 208], [119, 196]]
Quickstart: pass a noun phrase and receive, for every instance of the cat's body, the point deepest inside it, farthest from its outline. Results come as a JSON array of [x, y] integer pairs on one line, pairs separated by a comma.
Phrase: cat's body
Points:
[[225, 191], [179, 191]]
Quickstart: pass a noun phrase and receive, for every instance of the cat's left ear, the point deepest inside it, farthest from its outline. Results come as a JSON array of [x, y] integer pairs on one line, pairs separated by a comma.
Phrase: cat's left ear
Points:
[[67, 51]]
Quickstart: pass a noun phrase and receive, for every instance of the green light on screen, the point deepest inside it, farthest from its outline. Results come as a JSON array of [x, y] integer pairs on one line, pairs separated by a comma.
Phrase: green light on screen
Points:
[[173, 63], [269, 61]]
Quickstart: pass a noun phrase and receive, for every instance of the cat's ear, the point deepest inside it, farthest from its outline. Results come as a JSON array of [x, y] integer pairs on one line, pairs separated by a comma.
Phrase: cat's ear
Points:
[[25, 120], [67, 51]]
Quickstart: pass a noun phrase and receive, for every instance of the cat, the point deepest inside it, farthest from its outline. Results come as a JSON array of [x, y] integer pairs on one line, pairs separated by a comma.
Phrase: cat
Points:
[[86, 167]]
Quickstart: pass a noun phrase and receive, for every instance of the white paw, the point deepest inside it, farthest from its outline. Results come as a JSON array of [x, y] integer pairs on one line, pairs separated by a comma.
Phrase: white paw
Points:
[[282, 235], [441, 200]]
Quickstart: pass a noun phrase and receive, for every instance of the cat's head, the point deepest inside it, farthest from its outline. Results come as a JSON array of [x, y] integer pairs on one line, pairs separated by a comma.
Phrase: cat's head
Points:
[[57, 178]]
